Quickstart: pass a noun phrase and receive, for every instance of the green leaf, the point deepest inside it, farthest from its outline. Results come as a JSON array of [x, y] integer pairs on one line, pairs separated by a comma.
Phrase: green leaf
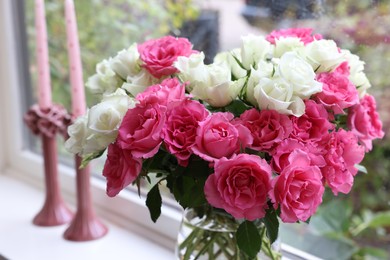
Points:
[[138, 183], [197, 168], [373, 252], [361, 168], [162, 162], [272, 224], [153, 202], [248, 238], [333, 217], [238, 62], [187, 183], [89, 157], [237, 107], [381, 219], [188, 191]]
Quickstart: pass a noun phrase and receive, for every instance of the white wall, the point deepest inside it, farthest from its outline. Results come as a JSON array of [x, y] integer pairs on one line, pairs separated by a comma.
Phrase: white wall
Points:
[[4, 79], [10, 110]]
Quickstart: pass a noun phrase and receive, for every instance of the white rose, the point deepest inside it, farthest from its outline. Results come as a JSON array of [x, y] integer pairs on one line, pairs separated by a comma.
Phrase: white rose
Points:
[[283, 45], [192, 69], [82, 140], [264, 70], [94, 143], [126, 62], [323, 55], [297, 72], [105, 117], [357, 76], [355, 64], [254, 49], [138, 83], [229, 59], [99, 127], [105, 80], [277, 94], [222, 94], [218, 89], [361, 82], [211, 83], [77, 135]]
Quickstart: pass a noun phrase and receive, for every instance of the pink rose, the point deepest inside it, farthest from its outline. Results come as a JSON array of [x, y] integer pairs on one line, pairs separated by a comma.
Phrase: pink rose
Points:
[[363, 120], [159, 55], [240, 186], [217, 137], [338, 92], [343, 152], [179, 133], [283, 154], [297, 190], [267, 127], [120, 169], [304, 34], [170, 90], [313, 125], [140, 131], [343, 69]]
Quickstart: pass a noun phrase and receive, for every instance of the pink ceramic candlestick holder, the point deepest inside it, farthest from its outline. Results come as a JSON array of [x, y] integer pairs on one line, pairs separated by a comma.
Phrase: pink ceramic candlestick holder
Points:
[[47, 123], [85, 226], [54, 211]]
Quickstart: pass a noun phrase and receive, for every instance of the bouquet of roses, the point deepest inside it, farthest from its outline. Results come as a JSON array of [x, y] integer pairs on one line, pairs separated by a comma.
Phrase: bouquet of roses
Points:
[[255, 136]]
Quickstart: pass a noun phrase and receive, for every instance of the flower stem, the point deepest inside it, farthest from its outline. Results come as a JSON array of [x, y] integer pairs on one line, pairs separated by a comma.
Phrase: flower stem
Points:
[[208, 245]]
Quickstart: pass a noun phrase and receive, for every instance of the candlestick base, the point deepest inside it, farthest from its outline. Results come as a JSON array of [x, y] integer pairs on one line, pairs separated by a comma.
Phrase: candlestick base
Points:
[[85, 227], [53, 214]]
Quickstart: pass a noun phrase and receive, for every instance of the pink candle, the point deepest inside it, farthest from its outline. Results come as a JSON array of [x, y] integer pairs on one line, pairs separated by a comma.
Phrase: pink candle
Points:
[[42, 53], [76, 71]]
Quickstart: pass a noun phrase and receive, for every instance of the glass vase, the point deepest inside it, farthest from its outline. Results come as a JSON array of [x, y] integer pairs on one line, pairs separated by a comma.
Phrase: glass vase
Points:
[[212, 237]]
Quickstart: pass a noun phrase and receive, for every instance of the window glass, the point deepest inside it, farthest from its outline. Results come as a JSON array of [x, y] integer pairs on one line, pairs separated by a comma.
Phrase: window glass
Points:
[[104, 28], [357, 225]]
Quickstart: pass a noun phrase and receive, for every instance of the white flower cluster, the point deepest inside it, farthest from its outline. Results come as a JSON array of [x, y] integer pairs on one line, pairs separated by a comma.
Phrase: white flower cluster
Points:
[[98, 128], [122, 71], [278, 76], [117, 81]]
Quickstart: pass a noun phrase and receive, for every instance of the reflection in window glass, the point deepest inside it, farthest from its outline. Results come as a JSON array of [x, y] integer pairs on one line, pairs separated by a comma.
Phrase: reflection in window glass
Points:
[[356, 225]]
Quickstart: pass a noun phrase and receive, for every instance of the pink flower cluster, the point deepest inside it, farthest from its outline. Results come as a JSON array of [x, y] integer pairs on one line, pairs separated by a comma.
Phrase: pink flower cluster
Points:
[[259, 157]]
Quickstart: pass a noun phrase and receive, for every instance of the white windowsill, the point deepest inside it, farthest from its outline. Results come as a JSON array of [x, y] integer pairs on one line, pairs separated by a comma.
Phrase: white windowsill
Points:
[[20, 239]]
